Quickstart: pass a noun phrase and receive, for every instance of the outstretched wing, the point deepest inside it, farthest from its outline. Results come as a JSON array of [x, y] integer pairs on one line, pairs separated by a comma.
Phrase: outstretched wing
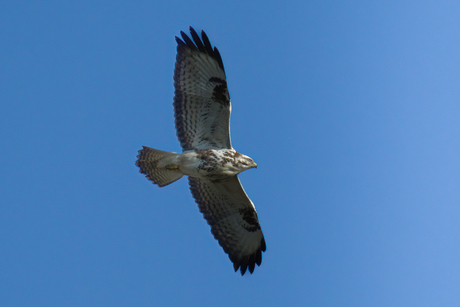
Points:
[[233, 220], [201, 102]]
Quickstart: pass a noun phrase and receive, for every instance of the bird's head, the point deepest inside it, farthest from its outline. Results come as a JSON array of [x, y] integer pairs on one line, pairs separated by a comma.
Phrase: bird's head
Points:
[[247, 162]]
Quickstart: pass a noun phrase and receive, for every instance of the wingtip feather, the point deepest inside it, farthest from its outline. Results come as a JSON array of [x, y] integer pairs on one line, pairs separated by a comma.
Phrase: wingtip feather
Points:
[[202, 44], [179, 41]]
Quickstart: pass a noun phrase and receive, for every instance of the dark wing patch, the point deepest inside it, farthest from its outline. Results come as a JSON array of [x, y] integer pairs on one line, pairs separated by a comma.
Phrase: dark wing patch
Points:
[[220, 92], [233, 220], [201, 102], [250, 216]]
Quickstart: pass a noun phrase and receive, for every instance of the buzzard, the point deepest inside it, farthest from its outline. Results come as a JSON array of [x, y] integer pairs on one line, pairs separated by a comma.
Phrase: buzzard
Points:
[[202, 115]]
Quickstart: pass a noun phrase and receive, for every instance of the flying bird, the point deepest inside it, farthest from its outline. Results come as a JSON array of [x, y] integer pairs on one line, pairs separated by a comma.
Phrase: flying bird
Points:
[[202, 116]]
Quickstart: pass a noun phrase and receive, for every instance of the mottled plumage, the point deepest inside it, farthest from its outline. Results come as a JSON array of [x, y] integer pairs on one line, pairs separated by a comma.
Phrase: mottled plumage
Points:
[[202, 115]]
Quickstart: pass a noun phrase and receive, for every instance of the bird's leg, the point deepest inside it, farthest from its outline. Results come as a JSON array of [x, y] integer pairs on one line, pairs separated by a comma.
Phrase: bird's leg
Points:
[[172, 167]]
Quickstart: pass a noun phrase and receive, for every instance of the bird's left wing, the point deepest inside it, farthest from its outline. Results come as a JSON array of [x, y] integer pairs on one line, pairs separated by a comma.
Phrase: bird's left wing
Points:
[[233, 219], [201, 101]]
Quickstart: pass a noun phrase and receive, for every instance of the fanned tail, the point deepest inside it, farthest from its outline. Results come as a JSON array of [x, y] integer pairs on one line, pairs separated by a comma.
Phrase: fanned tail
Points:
[[148, 161]]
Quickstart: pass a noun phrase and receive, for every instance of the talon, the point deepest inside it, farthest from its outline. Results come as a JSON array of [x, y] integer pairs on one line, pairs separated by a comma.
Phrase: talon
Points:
[[172, 167]]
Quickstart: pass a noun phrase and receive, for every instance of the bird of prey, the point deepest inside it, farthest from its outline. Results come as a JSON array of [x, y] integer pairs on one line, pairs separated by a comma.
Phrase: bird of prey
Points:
[[202, 116]]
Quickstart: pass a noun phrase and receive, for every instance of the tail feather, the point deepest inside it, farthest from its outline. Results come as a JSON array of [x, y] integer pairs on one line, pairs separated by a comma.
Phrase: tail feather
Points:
[[148, 159]]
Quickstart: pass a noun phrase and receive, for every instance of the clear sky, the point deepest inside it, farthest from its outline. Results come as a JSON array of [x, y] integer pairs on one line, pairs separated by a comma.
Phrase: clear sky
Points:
[[351, 110]]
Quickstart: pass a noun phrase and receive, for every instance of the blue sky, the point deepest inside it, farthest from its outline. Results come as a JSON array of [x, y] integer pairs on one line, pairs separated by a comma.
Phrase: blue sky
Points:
[[350, 109]]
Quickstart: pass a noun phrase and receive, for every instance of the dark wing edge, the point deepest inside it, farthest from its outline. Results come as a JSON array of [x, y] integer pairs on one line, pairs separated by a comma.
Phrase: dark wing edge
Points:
[[219, 209], [203, 45]]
